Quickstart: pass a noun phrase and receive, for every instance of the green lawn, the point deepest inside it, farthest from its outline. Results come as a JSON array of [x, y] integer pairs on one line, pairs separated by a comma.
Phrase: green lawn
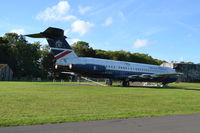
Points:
[[23, 103]]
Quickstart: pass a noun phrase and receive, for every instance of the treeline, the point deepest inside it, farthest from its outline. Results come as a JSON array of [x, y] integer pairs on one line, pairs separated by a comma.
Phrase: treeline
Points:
[[32, 60], [84, 50], [27, 60]]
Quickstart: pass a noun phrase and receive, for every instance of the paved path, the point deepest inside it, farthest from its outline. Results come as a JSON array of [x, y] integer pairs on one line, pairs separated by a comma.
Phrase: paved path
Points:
[[162, 124]]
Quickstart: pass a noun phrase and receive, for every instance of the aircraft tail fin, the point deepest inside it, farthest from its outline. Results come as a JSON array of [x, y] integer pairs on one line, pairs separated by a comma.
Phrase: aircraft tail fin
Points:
[[57, 42]]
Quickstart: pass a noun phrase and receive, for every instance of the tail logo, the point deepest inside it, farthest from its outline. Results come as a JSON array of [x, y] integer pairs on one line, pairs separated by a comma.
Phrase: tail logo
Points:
[[58, 44]]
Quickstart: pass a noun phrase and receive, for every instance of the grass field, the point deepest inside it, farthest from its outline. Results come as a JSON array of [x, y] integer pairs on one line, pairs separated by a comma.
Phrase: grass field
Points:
[[23, 103]]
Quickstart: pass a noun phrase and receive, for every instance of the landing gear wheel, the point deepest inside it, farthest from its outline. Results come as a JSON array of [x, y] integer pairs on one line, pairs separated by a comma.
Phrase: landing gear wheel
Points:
[[164, 85], [125, 83], [109, 82]]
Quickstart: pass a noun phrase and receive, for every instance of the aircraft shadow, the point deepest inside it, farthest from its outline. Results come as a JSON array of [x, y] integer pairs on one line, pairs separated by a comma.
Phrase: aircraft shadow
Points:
[[168, 87], [181, 88]]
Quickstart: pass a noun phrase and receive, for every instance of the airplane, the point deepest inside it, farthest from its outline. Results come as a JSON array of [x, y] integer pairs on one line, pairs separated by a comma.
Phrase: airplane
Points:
[[67, 60]]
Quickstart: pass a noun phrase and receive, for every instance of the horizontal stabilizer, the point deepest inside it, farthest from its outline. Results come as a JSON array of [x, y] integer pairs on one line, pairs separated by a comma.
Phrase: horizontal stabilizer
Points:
[[38, 35], [50, 32]]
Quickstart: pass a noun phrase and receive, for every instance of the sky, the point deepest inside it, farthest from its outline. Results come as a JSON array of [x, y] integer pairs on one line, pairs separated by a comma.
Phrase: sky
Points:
[[167, 30]]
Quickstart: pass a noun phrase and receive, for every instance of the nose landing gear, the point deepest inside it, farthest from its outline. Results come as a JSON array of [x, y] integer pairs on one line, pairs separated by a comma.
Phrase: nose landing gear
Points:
[[109, 82]]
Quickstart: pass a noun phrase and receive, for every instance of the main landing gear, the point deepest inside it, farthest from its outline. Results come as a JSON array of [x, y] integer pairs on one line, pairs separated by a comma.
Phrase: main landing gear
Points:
[[164, 85], [125, 83]]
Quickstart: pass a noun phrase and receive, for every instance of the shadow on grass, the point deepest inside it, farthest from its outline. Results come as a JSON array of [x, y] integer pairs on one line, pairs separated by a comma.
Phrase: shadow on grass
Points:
[[181, 88], [168, 87], [151, 87]]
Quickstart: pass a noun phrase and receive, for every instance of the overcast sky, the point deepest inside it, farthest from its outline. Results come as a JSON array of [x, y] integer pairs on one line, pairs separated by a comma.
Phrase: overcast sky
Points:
[[165, 29]]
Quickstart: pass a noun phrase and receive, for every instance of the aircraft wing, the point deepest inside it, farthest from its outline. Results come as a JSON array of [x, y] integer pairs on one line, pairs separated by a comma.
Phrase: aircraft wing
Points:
[[152, 75], [167, 74], [140, 76]]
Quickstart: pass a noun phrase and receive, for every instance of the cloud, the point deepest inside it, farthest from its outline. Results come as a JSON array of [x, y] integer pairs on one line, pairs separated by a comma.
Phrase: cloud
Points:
[[18, 31], [59, 12], [121, 15], [150, 32], [139, 43], [83, 10], [108, 21], [66, 32], [153, 30], [188, 26], [74, 40], [81, 27], [181, 59]]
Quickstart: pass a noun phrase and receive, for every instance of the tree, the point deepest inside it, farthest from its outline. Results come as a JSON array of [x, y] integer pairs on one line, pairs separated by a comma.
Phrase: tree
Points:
[[2, 40], [101, 54], [5, 51], [83, 49], [47, 62], [22, 56]]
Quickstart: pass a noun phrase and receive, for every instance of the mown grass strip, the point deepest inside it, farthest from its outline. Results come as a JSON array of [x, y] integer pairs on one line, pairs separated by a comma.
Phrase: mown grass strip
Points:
[[23, 103]]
